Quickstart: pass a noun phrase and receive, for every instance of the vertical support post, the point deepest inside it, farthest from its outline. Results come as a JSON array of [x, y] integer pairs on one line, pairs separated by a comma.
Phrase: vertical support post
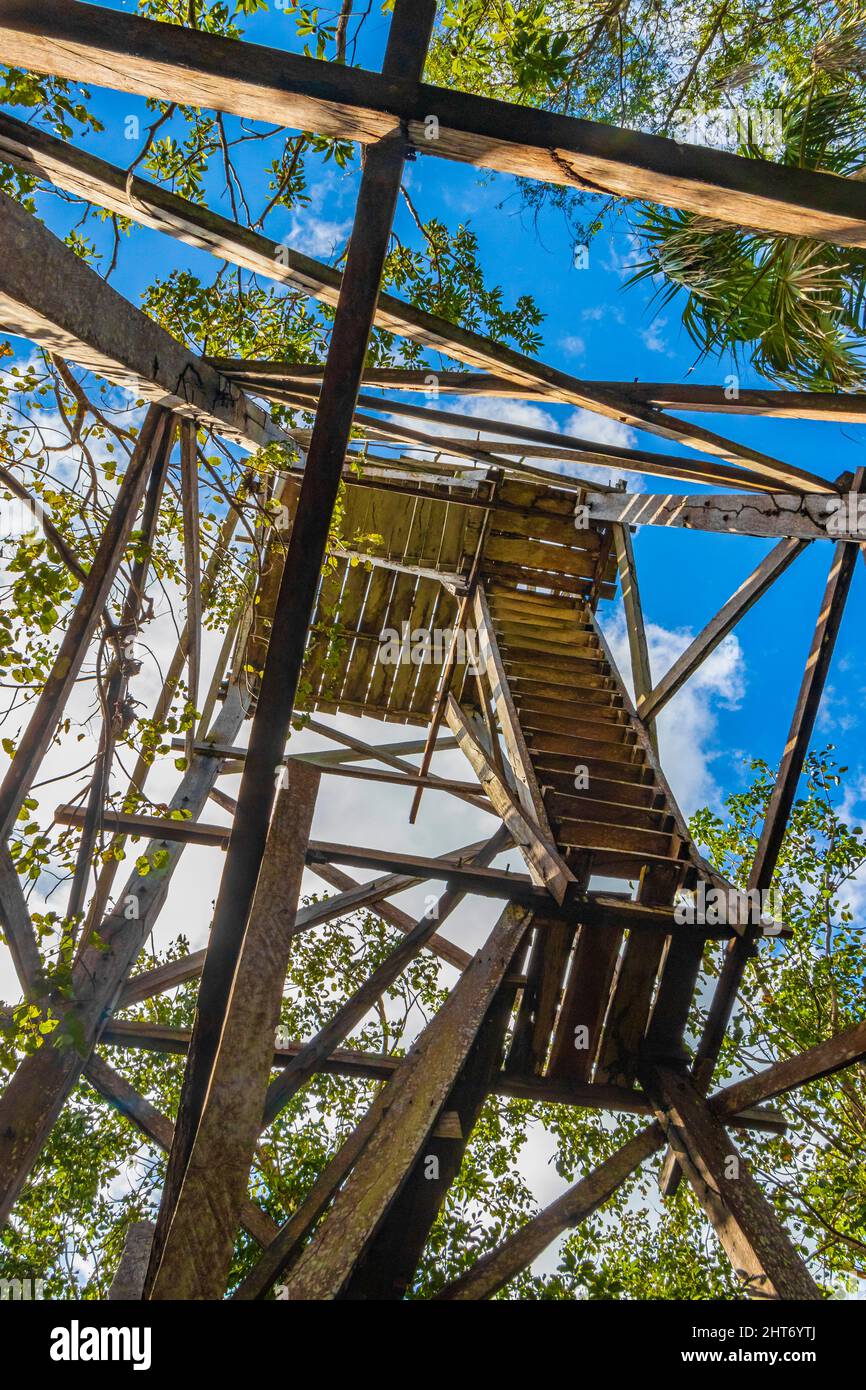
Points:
[[128, 1282], [747, 1227], [411, 27], [192, 567], [204, 1224]]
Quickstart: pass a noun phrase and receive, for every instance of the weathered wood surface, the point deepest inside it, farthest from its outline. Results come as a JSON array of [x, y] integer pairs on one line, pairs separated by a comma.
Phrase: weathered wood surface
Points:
[[158, 1128], [546, 865], [81, 42], [128, 1282], [201, 1230]]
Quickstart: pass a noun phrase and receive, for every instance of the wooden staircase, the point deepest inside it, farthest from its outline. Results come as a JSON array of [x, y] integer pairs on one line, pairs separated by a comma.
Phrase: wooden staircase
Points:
[[613, 816]]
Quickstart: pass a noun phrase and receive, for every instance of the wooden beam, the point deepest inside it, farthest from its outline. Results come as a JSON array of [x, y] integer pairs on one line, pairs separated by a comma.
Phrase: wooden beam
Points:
[[809, 516], [641, 670], [53, 298], [87, 613], [408, 38], [388, 1265], [171, 63], [192, 567], [842, 407], [739, 951], [200, 1231], [500, 1265], [415, 1096], [824, 1059], [763, 465], [546, 865], [128, 1282], [447, 950], [744, 1221], [380, 1066], [350, 1014], [737, 606]]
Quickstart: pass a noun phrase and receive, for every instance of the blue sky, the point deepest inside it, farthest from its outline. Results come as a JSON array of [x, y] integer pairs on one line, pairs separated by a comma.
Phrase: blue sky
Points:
[[598, 328]]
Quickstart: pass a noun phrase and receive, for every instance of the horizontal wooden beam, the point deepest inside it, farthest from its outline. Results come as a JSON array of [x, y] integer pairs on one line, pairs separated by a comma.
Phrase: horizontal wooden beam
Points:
[[87, 176], [806, 516], [53, 298], [762, 468], [842, 407], [108, 48]]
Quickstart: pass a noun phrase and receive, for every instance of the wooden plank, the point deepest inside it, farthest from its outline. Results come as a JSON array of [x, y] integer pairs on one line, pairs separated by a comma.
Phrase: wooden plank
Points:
[[745, 1223], [751, 589], [585, 1003], [77, 41], [633, 989], [545, 863], [194, 1260], [415, 1095], [810, 516], [52, 297], [51, 703]]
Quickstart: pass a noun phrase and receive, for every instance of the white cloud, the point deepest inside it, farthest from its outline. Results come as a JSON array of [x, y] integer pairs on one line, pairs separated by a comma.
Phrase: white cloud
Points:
[[317, 236], [653, 337], [597, 312], [572, 345], [687, 725]]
